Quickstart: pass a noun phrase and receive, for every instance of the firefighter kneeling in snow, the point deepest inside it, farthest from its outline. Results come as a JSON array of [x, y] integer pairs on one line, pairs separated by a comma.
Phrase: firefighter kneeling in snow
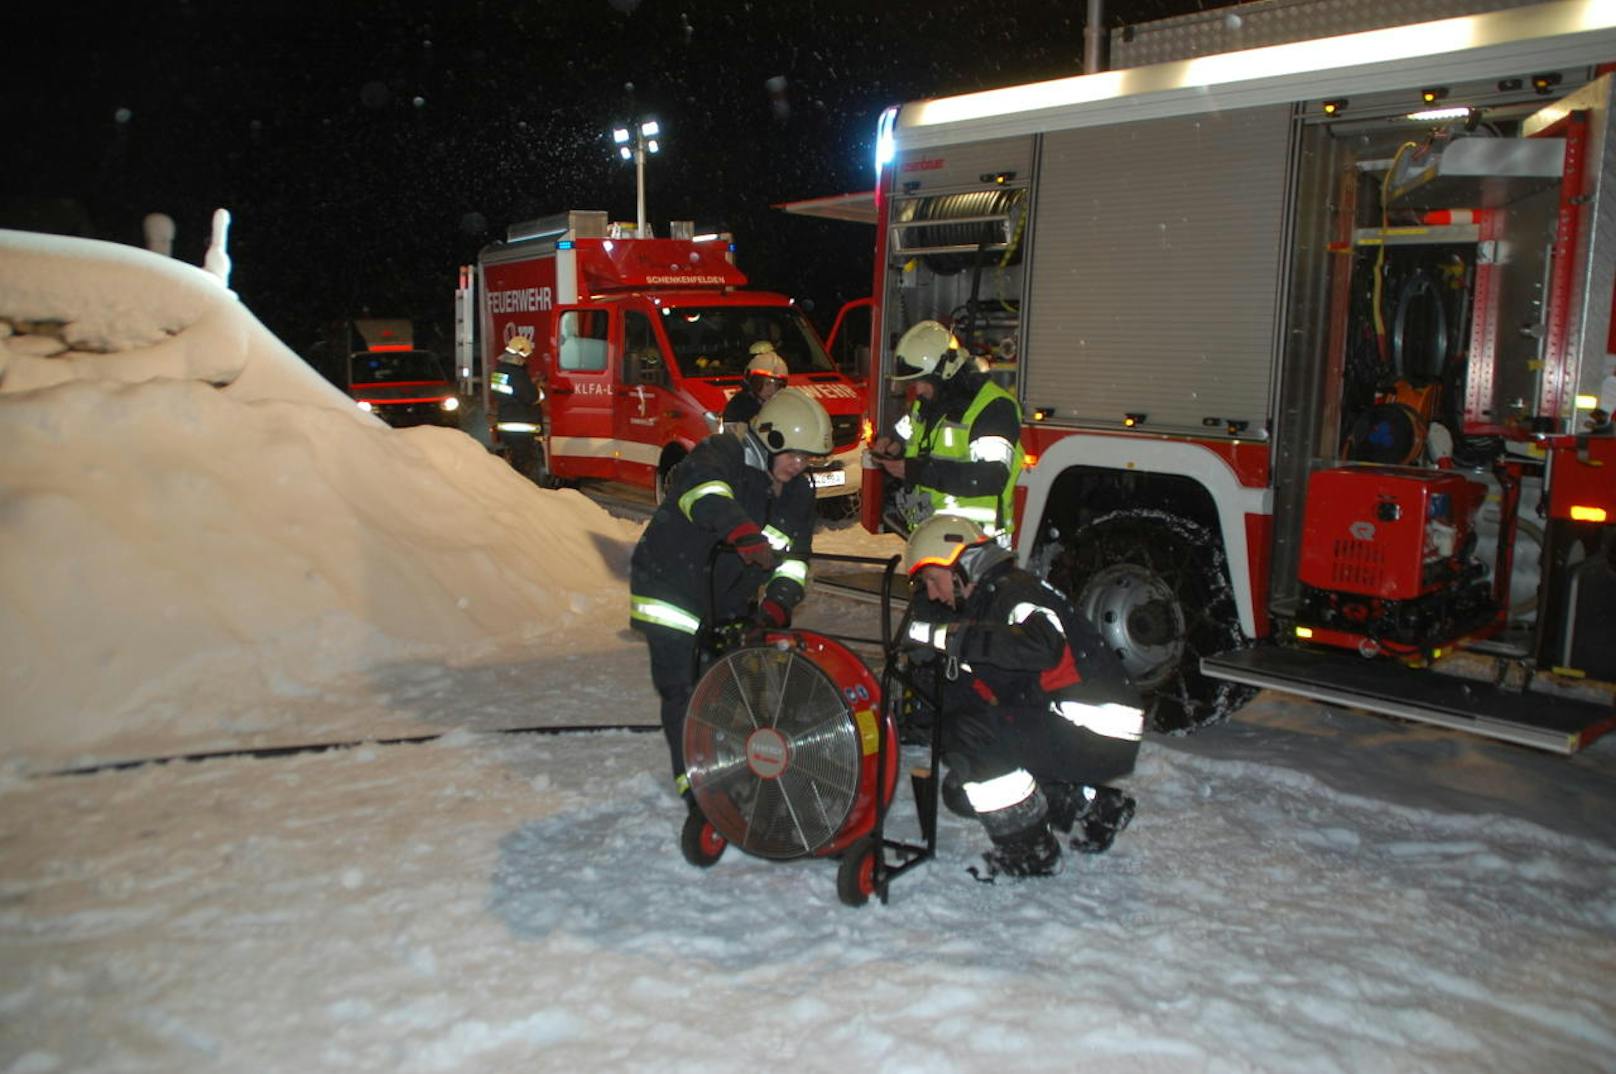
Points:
[[751, 494], [518, 414], [1037, 714]]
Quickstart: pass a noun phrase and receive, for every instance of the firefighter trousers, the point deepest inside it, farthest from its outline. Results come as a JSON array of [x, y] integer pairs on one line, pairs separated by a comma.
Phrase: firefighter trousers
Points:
[[522, 452], [983, 740], [671, 654]]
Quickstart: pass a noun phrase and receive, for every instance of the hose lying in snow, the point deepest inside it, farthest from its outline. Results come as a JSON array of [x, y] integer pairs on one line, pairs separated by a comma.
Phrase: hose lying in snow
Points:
[[322, 747]]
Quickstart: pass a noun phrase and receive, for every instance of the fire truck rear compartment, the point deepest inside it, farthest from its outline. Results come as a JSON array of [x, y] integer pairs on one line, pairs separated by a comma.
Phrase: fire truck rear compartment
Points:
[[1296, 292]]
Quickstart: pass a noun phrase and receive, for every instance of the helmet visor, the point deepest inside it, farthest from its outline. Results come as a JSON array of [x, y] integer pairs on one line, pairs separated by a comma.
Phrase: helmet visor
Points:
[[902, 370]]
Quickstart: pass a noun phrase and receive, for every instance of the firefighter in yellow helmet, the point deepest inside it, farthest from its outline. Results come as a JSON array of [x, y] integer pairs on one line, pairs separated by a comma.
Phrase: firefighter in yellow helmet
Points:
[[752, 495], [766, 374], [958, 448], [517, 400], [1038, 716]]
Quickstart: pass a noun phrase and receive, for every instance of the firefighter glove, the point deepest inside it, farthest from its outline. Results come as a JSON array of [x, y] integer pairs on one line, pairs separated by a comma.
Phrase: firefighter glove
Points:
[[750, 544], [771, 615]]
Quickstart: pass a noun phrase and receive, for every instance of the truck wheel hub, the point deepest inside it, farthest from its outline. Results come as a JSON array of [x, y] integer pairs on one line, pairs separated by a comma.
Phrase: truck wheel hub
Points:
[[1139, 619]]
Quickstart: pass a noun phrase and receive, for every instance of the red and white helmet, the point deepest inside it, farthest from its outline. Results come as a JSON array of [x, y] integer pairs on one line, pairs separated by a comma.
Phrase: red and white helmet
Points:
[[766, 362]]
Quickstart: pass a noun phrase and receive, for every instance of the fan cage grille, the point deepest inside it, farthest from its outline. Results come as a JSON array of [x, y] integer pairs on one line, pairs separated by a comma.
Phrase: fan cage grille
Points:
[[804, 806]]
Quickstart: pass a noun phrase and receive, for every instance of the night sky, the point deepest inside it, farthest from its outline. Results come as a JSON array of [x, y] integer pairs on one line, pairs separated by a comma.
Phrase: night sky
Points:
[[366, 150]]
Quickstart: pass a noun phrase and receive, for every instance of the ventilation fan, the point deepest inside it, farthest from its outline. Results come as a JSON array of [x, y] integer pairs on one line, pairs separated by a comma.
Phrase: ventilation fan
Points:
[[781, 745]]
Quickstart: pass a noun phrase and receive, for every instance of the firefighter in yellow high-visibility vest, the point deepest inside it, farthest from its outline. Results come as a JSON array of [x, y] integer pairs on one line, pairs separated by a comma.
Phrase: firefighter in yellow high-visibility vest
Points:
[[958, 449]]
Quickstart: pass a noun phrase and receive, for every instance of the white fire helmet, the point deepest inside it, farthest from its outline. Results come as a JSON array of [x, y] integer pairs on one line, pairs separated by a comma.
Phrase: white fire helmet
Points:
[[793, 421], [927, 350], [520, 345]]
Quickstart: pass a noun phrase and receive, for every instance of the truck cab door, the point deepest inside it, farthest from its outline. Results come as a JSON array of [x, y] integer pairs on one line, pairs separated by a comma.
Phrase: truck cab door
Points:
[[581, 380], [849, 343], [643, 401]]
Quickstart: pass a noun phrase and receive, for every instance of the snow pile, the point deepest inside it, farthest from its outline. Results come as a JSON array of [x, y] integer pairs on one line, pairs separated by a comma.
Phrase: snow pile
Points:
[[87, 310], [186, 506]]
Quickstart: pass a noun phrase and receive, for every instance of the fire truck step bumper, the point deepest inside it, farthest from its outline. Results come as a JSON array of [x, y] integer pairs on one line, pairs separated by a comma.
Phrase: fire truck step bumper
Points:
[[1529, 718]]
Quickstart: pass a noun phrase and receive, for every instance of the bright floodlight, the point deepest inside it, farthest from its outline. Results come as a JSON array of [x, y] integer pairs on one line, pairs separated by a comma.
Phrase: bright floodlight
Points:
[[636, 141]]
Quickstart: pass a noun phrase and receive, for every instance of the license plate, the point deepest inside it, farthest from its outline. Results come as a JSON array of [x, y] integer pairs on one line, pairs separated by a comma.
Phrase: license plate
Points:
[[827, 479]]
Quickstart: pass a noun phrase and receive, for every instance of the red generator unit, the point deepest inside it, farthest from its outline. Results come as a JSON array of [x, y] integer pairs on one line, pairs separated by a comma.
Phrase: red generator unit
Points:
[[1388, 560]]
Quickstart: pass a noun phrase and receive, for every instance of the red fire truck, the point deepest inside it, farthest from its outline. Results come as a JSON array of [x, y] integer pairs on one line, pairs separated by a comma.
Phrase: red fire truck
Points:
[[1313, 342], [638, 344]]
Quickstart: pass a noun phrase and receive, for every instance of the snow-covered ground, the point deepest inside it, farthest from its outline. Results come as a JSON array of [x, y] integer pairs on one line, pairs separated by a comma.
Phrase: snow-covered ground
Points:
[[202, 550]]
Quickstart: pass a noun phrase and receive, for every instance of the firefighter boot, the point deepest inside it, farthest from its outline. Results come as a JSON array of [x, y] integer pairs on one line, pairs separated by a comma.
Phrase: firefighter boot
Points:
[[1023, 845], [1066, 802], [1031, 852], [1105, 813]]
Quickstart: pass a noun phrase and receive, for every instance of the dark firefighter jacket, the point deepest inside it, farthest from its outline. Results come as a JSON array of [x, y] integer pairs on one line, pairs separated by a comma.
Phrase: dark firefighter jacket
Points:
[[742, 407], [513, 386], [1021, 645], [721, 485]]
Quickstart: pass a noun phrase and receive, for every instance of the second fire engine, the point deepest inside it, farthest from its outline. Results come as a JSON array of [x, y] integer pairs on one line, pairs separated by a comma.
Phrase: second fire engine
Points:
[[1315, 377]]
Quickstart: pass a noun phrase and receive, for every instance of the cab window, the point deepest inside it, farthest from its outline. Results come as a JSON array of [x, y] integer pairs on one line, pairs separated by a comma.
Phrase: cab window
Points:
[[640, 350], [716, 341], [583, 341]]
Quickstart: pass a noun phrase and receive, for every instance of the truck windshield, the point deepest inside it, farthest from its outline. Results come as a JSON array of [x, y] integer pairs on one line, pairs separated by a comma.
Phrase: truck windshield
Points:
[[395, 367], [716, 341]]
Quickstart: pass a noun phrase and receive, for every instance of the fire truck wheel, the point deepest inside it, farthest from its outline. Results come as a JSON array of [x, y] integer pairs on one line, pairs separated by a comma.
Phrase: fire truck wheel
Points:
[[664, 472], [1155, 587]]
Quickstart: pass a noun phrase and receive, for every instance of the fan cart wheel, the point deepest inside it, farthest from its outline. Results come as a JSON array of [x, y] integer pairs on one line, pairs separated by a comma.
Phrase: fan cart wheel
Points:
[[1153, 584], [700, 842], [855, 876]]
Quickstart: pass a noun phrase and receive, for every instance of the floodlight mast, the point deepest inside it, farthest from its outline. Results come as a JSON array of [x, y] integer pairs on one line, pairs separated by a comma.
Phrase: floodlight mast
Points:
[[635, 142]]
